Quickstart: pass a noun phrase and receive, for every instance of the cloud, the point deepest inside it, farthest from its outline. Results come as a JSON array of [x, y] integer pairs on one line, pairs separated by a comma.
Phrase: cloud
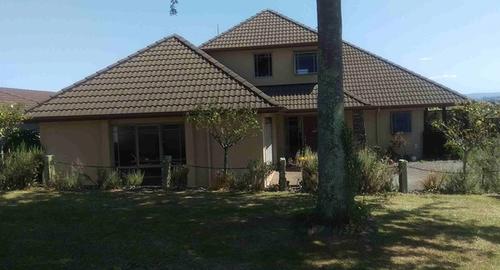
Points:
[[425, 59], [445, 76]]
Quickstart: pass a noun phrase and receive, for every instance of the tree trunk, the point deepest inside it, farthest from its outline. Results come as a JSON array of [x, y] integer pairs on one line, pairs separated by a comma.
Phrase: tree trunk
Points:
[[334, 199], [225, 160]]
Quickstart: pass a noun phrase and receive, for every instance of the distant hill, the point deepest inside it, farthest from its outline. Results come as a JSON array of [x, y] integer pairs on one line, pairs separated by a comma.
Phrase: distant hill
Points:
[[491, 96]]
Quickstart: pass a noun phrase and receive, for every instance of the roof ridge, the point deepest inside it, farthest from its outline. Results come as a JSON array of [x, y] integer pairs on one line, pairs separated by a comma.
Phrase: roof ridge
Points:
[[228, 71], [356, 97], [99, 72], [413, 73]]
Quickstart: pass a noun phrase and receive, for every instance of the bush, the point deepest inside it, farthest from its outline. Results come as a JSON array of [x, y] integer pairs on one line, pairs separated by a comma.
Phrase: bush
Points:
[[484, 166], [72, 179], [255, 176], [21, 168], [29, 138], [308, 161], [133, 179], [224, 181], [179, 177], [458, 184], [376, 172], [109, 179], [433, 183], [482, 176]]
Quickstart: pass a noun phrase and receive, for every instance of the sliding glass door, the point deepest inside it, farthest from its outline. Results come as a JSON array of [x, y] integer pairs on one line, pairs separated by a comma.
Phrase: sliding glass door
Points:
[[143, 146]]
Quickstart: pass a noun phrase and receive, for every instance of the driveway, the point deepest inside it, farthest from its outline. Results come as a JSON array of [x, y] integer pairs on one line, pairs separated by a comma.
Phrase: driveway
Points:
[[419, 170]]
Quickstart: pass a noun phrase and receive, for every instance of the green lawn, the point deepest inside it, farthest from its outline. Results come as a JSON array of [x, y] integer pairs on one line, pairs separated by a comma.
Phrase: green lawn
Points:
[[209, 230]]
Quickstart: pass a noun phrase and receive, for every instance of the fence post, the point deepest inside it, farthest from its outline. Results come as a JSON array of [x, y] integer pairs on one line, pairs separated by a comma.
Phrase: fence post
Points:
[[48, 170], [166, 171], [403, 176], [282, 177]]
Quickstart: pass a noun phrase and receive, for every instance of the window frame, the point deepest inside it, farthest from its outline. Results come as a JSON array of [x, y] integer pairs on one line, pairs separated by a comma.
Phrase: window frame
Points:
[[270, 70], [392, 119], [138, 165], [297, 53]]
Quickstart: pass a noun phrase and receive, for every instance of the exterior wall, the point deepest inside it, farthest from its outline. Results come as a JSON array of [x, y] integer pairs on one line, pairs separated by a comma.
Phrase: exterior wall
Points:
[[283, 64], [89, 143], [79, 142], [378, 129]]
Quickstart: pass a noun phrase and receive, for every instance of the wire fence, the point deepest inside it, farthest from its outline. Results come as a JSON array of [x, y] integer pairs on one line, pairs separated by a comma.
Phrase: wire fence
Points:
[[154, 174]]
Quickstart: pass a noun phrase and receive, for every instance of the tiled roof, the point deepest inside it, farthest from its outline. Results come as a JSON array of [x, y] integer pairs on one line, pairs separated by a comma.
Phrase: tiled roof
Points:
[[383, 83], [367, 76], [267, 28], [169, 76], [23, 96], [304, 96]]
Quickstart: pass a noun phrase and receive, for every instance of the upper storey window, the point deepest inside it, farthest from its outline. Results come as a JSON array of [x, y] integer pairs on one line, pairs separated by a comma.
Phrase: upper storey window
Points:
[[263, 65], [306, 63]]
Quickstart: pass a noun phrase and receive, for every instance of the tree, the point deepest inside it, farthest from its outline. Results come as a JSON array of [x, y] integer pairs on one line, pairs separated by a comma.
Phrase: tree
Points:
[[226, 126], [334, 195], [11, 117], [334, 198], [470, 127]]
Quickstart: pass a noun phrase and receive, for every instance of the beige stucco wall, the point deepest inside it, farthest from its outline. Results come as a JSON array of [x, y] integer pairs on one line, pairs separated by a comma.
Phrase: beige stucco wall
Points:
[[89, 143], [78, 142], [378, 130], [283, 63]]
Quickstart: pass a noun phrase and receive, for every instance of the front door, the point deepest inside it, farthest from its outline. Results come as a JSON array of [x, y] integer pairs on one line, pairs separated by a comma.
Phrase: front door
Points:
[[311, 132]]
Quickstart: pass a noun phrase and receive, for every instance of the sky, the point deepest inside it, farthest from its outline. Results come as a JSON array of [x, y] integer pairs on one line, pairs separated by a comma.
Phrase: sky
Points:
[[50, 44]]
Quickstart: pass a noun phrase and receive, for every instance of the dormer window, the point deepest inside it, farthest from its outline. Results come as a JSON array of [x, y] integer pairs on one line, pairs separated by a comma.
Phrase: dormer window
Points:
[[306, 63], [263, 65]]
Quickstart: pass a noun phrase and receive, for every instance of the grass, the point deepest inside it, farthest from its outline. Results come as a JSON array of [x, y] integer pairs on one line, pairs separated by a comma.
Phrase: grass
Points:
[[42, 229]]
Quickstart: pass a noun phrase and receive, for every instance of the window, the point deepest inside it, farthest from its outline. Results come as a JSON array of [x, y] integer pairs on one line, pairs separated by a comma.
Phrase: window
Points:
[[306, 63], [124, 145], [149, 145], [173, 142], [143, 146], [401, 122], [263, 65]]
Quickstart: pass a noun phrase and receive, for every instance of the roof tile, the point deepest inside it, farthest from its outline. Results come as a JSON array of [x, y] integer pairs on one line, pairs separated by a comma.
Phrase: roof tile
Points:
[[367, 76], [184, 78]]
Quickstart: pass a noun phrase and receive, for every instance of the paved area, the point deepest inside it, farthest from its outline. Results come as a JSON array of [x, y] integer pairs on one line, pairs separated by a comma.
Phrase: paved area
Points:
[[419, 170]]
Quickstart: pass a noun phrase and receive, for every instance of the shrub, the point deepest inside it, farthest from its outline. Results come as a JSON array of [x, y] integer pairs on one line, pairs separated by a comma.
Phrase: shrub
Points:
[[224, 181], [109, 179], [72, 179], [22, 136], [179, 177], [21, 168], [433, 183], [376, 172], [133, 179], [458, 184], [255, 176], [485, 166], [308, 161]]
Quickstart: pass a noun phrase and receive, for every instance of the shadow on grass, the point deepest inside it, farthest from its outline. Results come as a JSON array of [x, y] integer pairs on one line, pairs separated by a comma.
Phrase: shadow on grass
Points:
[[212, 230]]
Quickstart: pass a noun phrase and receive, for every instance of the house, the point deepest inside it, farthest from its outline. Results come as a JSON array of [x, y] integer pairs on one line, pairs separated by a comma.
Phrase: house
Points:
[[133, 112], [25, 97]]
